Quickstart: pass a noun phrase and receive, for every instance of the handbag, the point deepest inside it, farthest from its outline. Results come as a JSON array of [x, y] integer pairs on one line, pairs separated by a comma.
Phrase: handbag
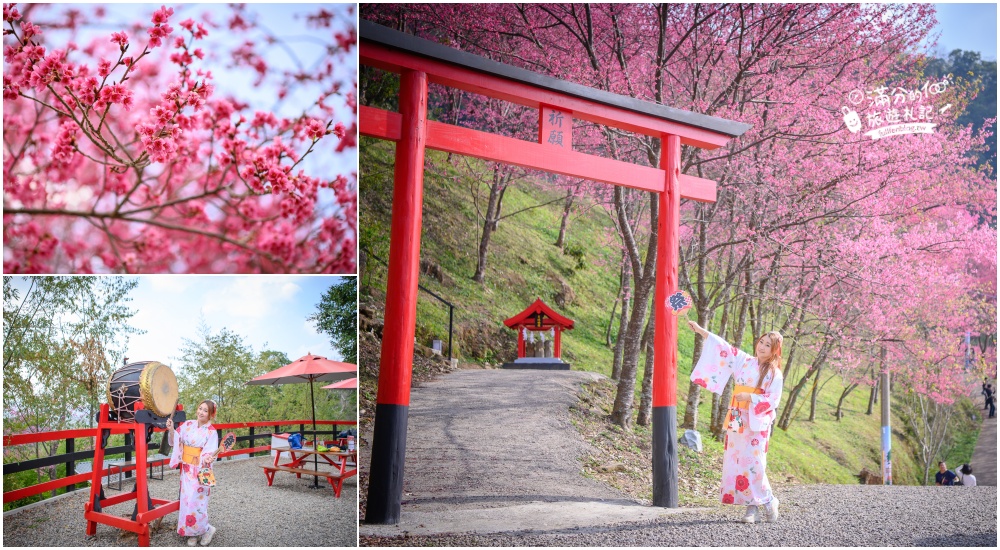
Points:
[[206, 477]]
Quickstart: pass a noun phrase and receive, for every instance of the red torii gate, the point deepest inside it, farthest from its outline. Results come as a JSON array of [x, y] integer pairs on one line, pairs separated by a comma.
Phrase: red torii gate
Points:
[[419, 62]]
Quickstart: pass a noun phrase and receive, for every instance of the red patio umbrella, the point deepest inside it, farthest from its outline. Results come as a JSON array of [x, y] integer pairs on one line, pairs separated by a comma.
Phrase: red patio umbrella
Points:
[[308, 368], [349, 384]]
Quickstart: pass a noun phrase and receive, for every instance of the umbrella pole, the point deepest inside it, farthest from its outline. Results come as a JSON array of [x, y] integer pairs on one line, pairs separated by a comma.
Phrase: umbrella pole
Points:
[[312, 399]]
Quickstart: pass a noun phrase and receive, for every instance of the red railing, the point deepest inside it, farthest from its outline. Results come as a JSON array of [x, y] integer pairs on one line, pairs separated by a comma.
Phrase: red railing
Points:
[[69, 435]]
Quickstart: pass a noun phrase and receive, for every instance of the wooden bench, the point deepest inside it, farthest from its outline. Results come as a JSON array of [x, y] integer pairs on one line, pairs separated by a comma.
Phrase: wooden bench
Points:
[[119, 466], [335, 479]]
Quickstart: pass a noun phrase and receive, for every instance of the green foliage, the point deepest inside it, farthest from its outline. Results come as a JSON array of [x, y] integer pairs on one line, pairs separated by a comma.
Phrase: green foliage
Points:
[[218, 365], [337, 316], [969, 67], [576, 252], [523, 264], [62, 340]]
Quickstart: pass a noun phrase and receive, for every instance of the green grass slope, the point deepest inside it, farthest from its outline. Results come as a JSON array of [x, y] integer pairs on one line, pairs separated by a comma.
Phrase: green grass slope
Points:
[[524, 264]]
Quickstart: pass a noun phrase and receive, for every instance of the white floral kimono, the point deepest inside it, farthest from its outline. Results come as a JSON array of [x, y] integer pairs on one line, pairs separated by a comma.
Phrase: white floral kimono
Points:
[[192, 518], [748, 424]]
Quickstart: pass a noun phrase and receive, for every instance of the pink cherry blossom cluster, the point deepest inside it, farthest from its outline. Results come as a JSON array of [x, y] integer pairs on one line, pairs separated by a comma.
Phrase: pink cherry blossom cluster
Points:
[[160, 28], [123, 157]]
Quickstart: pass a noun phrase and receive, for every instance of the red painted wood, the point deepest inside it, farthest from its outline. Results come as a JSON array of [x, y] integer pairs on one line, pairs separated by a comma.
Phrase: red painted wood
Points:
[[667, 255], [161, 508], [32, 490], [697, 189], [114, 521], [516, 92], [558, 346], [464, 141], [24, 439], [395, 368], [538, 306], [520, 341], [141, 474], [555, 128], [379, 123], [117, 499], [473, 143]]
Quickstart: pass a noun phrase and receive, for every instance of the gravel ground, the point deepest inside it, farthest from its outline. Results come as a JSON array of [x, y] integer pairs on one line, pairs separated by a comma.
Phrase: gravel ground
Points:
[[811, 515], [243, 508], [490, 442]]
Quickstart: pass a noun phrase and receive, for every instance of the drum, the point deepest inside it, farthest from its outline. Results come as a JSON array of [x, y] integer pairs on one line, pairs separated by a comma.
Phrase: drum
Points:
[[150, 382]]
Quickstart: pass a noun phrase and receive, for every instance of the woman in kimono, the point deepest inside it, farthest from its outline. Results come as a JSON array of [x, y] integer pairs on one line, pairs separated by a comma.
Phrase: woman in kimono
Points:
[[195, 443], [751, 414]]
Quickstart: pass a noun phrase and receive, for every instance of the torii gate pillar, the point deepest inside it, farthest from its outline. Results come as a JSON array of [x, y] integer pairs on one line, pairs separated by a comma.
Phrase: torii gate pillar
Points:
[[396, 365], [665, 330]]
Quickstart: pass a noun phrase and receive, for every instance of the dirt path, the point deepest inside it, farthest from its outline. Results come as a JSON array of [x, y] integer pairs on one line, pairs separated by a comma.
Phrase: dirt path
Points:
[[494, 450], [984, 457]]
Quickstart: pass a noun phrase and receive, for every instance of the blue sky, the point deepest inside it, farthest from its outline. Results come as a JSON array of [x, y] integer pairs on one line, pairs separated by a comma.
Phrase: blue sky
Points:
[[267, 311], [968, 27]]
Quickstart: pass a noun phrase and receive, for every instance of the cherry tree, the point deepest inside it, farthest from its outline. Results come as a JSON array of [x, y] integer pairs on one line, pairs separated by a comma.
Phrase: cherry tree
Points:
[[821, 232], [137, 150]]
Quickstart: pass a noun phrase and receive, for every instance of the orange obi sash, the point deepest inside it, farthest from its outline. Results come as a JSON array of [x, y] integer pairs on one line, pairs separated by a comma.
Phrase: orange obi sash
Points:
[[734, 404], [191, 455]]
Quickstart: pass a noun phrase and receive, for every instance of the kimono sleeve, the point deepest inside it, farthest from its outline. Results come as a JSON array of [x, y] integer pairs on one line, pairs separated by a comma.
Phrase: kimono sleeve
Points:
[[175, 452], [211, 445], [763, 407], [717, 363]]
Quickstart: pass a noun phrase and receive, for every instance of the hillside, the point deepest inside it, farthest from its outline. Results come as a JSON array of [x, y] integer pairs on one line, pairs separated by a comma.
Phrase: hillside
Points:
[[524, 264]]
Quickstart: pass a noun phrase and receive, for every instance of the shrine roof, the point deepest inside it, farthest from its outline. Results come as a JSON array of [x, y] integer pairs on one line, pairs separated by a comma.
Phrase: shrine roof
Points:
[[538, 306], [385, 36]]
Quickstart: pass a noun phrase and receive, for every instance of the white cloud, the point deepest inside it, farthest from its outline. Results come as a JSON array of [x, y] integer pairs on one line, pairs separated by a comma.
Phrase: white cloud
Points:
[[250, 297], [172, 284]]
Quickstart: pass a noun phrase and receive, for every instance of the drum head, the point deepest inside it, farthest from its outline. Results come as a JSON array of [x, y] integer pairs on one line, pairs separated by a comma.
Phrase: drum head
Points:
[[159, 388]]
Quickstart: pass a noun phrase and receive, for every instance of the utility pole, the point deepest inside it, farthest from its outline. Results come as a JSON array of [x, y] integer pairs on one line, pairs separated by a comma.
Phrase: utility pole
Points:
[[886, 429]]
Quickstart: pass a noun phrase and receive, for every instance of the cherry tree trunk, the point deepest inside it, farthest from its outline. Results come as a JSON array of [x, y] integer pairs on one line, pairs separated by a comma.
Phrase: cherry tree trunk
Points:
[[814, 394], [567, 208], [492, 217], [694, 391], [690, 421], [644, 277], [611, 321], [625, 294], [646, 397], [871, 398], [840, 402]]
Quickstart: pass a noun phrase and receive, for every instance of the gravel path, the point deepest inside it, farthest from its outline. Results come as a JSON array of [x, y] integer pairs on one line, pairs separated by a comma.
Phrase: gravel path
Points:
[[244, 509], [811, 515], [492, 460]]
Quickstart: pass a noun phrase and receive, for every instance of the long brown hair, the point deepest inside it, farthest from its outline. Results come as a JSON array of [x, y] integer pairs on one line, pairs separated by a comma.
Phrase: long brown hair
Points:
[[772, 364]]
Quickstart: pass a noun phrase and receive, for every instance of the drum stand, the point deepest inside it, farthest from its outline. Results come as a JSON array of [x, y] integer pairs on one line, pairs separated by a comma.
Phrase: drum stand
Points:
[[146, 509]]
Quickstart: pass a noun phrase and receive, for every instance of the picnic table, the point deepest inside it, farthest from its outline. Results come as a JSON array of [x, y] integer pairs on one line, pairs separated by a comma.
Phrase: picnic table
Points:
[[338, 459]]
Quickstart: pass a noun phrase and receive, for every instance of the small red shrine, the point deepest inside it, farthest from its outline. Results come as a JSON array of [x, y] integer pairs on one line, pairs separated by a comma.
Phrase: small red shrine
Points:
[[539, 337]]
